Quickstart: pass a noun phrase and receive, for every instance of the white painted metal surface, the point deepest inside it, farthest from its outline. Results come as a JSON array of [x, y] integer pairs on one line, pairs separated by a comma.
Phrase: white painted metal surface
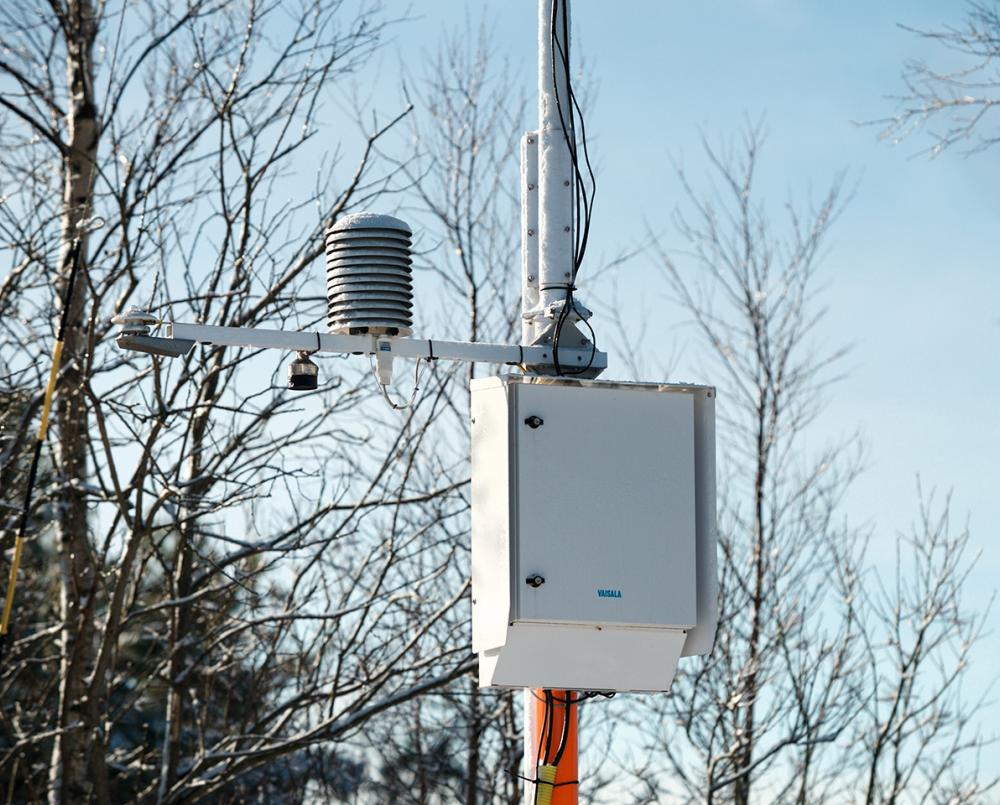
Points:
[[611, 499], [701, 638], [583, 657], [399, 347], [555, 170], [605, 502], [529, 235]]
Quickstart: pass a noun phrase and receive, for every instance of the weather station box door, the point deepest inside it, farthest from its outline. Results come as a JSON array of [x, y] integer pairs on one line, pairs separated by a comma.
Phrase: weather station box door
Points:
[[585, 530]]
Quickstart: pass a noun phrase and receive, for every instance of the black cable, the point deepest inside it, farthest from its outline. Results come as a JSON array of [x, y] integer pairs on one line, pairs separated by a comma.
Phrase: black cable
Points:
[[546, 714], [535, 780], [541, 733], [582, 206], [589, 202], [74, 258], [568, 131], [570, 139], [564, 739], [569, 134], [557, 330], [550, 717], [581, 697], [583, 201]]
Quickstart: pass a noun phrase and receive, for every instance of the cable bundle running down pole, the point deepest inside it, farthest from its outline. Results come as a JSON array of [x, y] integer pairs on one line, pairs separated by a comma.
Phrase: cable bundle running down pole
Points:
[[43, 427], [555, 782], [569, 115]]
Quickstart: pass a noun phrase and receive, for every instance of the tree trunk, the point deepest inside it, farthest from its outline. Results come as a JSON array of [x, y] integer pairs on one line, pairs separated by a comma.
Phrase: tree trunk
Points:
[[182, 615], [71, 779], [179, 626], [741, 789], [472, 766]]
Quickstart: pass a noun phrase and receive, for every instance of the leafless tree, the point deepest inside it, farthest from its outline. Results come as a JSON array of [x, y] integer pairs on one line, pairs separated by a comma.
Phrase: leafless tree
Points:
[[780, 677], [234, 593], [796, 699], [919, 737], [235, 565], [955, 106], [465, 129]]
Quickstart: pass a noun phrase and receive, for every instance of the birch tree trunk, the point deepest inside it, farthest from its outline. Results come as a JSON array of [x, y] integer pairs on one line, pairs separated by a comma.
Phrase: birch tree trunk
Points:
[[79, 738], [160, 649]]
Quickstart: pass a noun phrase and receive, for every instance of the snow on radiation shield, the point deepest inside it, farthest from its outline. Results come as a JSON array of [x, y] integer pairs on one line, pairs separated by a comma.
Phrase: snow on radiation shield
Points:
[[368, 275]]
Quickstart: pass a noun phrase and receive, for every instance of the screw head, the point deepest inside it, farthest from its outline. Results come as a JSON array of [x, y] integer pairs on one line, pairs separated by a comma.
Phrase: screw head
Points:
[[535, 581], [531, 232], [565, 229], [531, 186], [566, 183]]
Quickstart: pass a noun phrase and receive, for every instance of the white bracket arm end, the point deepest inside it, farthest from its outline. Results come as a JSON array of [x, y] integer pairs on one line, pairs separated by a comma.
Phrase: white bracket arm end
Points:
[[180, 337]]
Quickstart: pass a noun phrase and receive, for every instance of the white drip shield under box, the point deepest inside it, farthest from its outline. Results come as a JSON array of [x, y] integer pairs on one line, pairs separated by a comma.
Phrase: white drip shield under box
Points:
[[607, 492]]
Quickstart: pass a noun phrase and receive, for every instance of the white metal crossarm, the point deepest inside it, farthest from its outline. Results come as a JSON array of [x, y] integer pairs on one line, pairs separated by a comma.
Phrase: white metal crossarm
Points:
[[181, 337]]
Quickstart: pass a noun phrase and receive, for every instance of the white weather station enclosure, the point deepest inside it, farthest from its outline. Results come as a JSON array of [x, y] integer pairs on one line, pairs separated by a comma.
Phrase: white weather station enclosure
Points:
[[593, 531], [593, 503]]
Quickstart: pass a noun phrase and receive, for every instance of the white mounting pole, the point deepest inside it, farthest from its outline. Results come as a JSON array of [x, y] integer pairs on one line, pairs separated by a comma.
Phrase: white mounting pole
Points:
[[555, 167], [549, 245]]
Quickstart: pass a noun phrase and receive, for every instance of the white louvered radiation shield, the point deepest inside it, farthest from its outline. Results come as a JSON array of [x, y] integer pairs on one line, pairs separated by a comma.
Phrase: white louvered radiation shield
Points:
[[368, 275]]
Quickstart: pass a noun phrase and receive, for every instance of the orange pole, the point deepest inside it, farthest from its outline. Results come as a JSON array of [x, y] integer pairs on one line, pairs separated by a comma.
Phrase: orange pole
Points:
[[567, 768]]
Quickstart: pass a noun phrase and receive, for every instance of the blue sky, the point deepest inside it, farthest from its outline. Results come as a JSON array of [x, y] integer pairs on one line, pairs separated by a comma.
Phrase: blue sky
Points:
[[912, 272], [913, 279]]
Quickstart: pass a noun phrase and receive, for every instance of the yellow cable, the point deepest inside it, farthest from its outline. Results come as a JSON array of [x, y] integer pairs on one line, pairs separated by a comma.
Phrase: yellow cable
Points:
[[9, 601], [545, 777], [43, 429]]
